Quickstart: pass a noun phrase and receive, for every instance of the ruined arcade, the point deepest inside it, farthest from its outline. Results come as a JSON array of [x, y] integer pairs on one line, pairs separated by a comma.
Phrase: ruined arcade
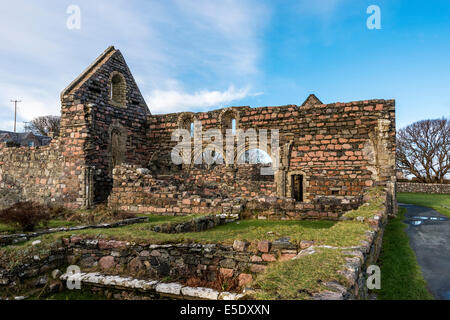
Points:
[[112, 150]]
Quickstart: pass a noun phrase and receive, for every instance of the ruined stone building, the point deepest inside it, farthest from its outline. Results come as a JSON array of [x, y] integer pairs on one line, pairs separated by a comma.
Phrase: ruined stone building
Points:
[[111, 149]]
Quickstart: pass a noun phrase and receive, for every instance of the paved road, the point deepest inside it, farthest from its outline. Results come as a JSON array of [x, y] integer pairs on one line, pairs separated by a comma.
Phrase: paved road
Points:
[[429, 235]]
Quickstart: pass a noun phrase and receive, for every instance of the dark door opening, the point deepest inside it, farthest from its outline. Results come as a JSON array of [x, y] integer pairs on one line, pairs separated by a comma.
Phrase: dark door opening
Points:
[[297, 187]]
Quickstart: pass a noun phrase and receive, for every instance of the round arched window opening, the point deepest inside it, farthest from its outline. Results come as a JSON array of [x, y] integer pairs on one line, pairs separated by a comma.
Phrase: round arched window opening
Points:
[[255, 156], [118, 94]]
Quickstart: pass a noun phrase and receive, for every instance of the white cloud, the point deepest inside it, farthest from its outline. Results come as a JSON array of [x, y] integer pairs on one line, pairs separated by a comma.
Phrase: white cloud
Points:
[[199, 43], [34, 101], [176, 99]]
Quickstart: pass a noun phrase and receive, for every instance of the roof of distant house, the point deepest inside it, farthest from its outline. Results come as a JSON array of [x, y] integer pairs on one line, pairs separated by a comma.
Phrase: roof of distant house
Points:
[[23, 137]]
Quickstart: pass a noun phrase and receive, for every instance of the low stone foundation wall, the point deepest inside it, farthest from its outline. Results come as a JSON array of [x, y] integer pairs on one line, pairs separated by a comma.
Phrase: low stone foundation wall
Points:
[[423, 188], [136, 190], [274, 208], [195, 225], [180, 262], [6, 240], [127, 288], [365, 255]]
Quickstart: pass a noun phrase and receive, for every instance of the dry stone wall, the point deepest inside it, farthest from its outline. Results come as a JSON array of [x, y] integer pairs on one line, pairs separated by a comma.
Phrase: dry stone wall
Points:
[[423, 188], [31, 173]]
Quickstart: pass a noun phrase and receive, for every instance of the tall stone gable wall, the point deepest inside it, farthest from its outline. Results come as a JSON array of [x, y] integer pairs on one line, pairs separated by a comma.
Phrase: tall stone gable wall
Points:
[[90, 118]]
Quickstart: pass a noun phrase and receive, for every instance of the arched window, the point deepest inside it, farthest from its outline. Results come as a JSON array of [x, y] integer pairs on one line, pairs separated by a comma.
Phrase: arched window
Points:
[[186, 121], [229, 120], [255, 156], [118, 89]]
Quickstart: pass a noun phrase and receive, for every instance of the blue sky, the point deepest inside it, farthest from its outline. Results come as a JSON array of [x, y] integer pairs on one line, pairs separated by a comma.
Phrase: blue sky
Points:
[[204, 54]]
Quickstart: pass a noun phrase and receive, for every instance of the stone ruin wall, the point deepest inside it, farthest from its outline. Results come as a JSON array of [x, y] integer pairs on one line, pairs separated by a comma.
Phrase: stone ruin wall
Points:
[[340, 149], [91, 119], [31, 173]]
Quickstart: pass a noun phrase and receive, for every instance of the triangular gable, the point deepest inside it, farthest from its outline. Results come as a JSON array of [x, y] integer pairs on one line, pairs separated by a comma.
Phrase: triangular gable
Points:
[[311, 100], [109, 58]]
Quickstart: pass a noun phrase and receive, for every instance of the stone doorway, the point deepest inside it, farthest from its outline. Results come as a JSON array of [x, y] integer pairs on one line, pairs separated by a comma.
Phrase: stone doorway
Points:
[[297, 187]]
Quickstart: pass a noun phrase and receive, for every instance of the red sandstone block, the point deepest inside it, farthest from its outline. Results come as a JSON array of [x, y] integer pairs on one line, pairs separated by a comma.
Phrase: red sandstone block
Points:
[[268, 257], [245, 279], [75, 239], [255, 258], [226, 273], [257, 268], [287, 256]]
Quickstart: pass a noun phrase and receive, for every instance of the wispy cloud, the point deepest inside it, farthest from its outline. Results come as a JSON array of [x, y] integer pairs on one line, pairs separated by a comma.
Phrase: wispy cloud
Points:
[[202, 44], [177, 99]]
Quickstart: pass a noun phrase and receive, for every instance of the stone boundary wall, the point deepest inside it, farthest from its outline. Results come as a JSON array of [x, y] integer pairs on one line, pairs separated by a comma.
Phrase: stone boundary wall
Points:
[[423, 187], [361, 257], [31, 173]]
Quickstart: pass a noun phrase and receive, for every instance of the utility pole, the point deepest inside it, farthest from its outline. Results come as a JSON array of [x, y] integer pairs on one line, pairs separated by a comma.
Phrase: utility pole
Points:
[[15, 112]]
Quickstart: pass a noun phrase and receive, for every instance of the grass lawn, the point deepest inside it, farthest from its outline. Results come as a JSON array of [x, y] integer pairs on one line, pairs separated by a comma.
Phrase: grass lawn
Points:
[[9, 229], [344, 233], [438, 202], [298, 279], [72, 295], [293, 279], [401, 276]]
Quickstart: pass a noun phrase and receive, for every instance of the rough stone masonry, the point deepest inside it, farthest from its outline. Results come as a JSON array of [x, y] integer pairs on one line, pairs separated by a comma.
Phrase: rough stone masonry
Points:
[[112, 149]]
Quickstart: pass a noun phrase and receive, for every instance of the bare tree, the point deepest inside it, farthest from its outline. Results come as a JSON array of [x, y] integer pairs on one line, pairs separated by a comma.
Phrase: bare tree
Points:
[[44, 125], [423, 150]]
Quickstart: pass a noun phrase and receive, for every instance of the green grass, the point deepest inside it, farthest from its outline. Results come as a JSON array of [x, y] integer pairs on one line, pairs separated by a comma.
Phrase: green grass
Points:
[[72, 295], [299, 278], [9, 229], [438, 202], [5, 228], [401, 276], [345, 233]]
